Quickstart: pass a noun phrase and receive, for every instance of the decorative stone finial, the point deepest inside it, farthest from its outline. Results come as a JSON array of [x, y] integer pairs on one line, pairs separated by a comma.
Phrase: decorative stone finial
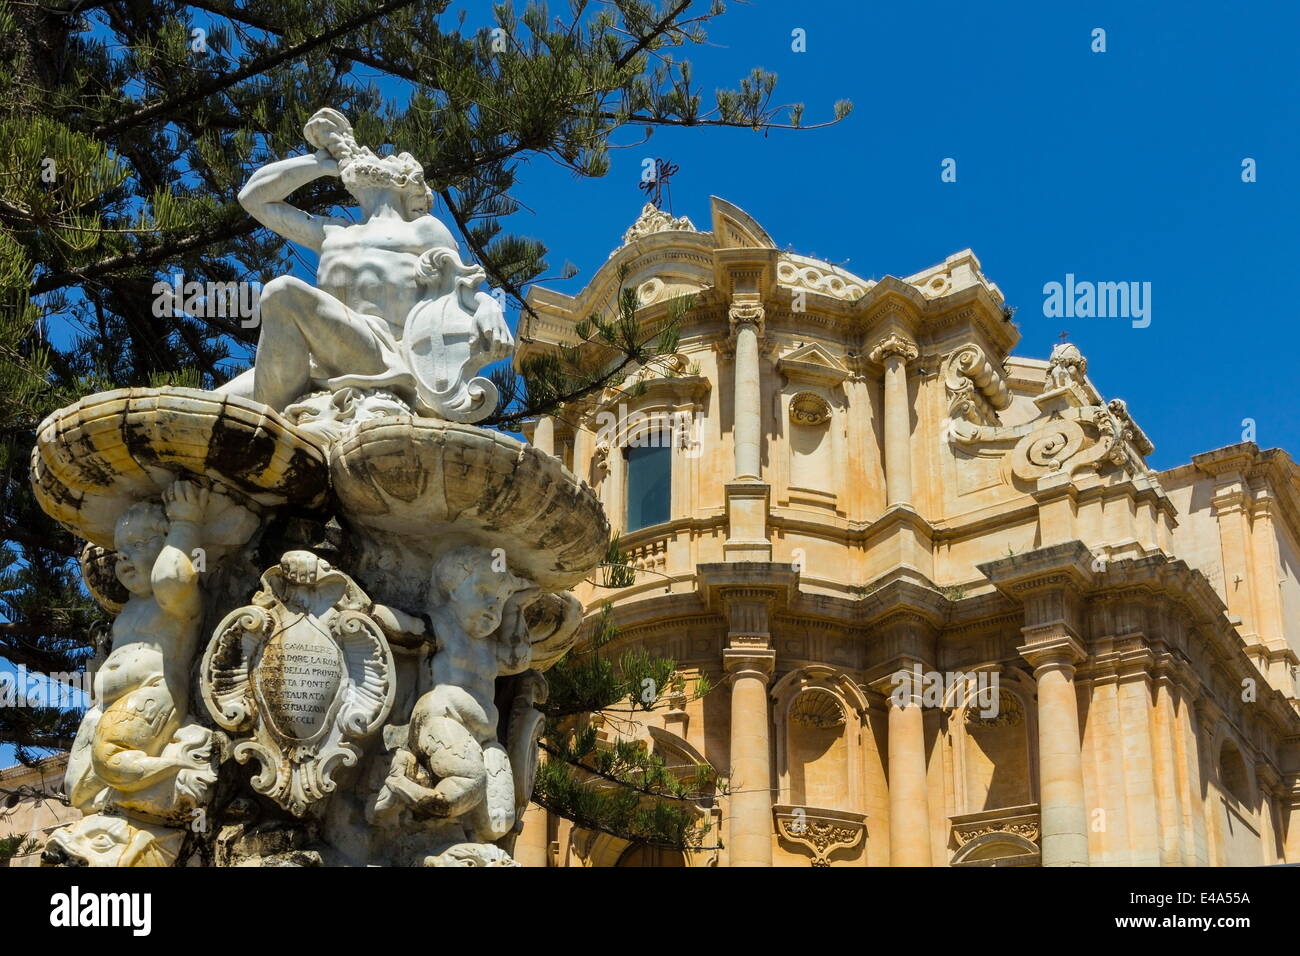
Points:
[[654, 220]]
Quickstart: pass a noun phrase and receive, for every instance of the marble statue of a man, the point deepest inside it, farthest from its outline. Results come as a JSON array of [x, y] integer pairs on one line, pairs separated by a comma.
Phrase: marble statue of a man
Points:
[[394, 311]]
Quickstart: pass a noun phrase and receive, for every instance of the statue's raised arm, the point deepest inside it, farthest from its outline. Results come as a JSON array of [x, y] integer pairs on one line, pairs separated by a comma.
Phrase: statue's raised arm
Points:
[[395, 320], [266, 190]]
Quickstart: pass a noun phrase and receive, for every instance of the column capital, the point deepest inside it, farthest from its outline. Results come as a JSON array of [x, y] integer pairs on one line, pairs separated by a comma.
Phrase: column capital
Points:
[[1231, 496], [751, 661], [902, 686], [747, 312], [1060, 652], [894, 345]]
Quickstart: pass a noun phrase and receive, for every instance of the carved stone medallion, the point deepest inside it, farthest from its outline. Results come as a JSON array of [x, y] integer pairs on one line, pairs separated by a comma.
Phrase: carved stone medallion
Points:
[[305, 673]]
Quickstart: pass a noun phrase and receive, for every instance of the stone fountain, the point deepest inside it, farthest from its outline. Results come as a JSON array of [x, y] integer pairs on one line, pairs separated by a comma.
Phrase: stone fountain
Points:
[[334, 594]]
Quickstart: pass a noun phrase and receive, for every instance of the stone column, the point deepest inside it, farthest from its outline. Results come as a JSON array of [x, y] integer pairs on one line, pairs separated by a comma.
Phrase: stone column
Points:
[[1229, 507], [1141, 786], [749, 660], [894, 353], [1291, 817], [1167, 769], [1270, 793], [747, 326], [750, 800], [1272, 621], [909, 803], [1062, 809], [532, 848], [747, 494], [544, 435], [1187, 746], [584, 444]]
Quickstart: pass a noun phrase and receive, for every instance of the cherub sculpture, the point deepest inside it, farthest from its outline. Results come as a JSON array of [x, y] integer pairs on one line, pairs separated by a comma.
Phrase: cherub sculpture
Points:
[[138, 753], [453, 764], [394, 308]]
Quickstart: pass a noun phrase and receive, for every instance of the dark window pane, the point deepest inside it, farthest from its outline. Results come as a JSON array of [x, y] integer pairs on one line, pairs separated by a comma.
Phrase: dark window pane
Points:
[[649, 480]]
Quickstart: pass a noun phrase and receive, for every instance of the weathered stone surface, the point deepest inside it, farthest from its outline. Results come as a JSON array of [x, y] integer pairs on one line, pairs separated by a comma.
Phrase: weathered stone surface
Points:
[[425, 487], [94, 459], [301, 677]]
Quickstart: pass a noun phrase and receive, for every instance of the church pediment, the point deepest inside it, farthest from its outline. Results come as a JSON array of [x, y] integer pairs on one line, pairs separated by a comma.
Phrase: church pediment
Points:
[[813, 363]]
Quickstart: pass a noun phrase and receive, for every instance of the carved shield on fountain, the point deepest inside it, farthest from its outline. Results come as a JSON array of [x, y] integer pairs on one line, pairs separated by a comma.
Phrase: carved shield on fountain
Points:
[[300, 677], [441, 346]]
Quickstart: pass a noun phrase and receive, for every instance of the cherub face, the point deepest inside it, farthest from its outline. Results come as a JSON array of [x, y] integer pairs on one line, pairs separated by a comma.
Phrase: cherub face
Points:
[[480, 599], [137, 551]]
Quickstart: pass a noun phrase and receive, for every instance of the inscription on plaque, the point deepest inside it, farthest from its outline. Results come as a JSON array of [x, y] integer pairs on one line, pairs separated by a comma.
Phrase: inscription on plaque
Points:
[[298, 679]]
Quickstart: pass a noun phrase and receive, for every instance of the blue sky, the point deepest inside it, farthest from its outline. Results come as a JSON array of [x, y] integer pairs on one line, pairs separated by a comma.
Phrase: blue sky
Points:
[[1115, 166]]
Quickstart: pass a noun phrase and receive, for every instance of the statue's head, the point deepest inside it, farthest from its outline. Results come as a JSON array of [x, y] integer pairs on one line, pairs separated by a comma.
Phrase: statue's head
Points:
[[472, 583], [365, 171], [138, 539], [1067, 354], [101, 839]]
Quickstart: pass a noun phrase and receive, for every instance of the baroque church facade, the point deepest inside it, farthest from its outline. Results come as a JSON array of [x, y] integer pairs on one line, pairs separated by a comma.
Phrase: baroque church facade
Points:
[[872, 518]]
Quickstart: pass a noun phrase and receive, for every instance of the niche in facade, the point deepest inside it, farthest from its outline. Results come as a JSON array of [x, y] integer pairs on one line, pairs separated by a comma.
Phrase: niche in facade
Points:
[[812, 465], [997, 756]]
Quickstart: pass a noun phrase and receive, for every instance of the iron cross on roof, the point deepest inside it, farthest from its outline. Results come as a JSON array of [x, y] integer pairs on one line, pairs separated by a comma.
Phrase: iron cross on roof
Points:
[[654, 179]]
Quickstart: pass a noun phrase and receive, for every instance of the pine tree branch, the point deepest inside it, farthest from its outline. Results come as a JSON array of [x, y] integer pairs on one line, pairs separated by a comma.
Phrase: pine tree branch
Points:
[[38, 542], [253, 68], [35, 660], [596, 827], [31, 629], [627, 784], [23, 739], [479, 253], [151, 255], [655, 31]]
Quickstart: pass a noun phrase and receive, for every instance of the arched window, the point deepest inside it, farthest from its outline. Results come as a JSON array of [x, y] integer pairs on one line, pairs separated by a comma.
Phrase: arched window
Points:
[[649, 484]]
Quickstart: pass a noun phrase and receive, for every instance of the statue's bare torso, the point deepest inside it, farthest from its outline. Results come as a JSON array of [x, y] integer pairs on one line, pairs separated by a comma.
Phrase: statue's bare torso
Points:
[[373, 267]]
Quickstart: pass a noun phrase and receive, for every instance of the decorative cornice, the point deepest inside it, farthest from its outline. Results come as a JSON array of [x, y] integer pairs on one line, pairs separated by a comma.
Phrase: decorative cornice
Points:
[[1020, 821]]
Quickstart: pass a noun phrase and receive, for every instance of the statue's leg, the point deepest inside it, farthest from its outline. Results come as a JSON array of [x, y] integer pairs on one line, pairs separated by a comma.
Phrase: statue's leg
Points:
[[453, 756], [500, 801], [299, 321]]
